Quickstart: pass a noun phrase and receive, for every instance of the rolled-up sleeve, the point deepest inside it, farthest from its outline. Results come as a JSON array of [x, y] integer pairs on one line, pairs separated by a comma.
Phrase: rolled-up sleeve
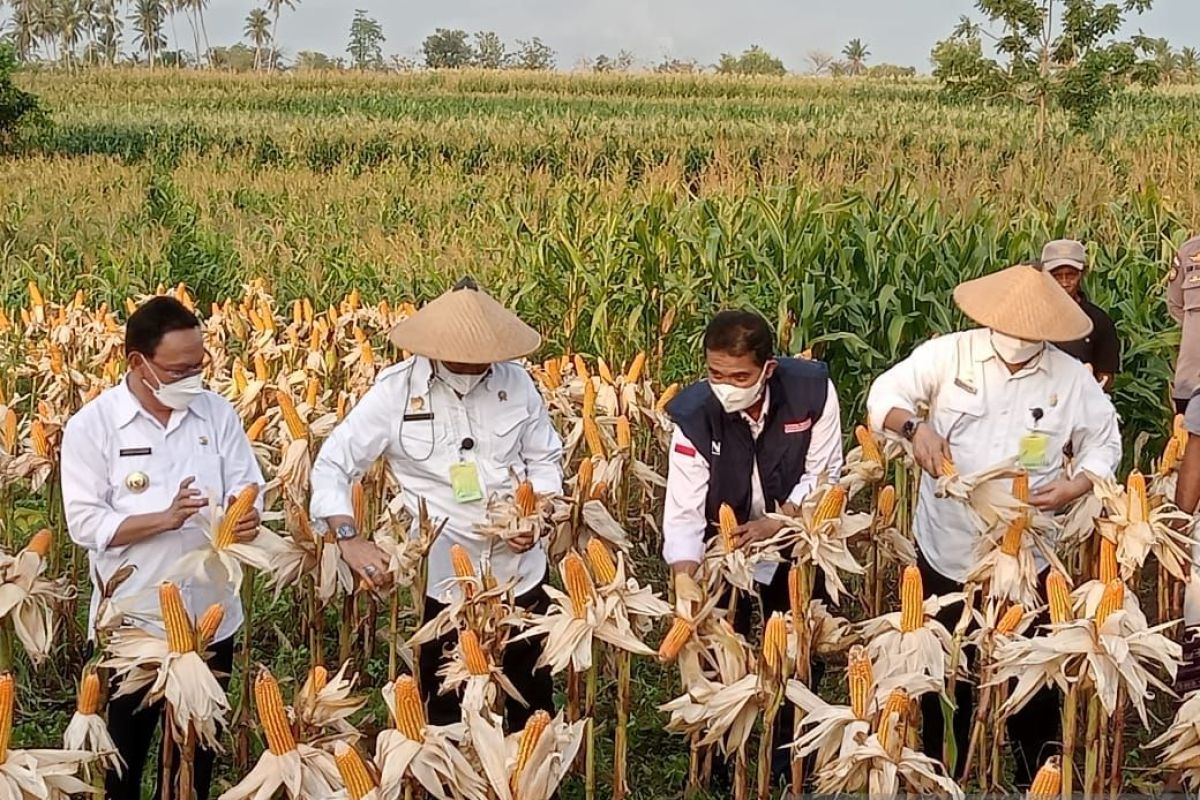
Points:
[[91, 521], [825, 457], [541, 447], [684, 523], [1097, 435], [910, 383], [353, 446]]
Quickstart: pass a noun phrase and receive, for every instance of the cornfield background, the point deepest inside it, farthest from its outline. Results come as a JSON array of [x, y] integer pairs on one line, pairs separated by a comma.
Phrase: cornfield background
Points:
[[614, 213]]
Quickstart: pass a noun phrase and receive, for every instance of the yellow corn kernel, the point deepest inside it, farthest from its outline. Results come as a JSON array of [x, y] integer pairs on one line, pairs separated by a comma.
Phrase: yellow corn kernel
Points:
[[526, 499], [291, 417], [240, 507], [207, 625], [410, 711], [832, 504], [1139, 504], [774, 650], [1170, 458], [886, 506], [476, 660], [605, 373], [257, 428], [727, 523], [1010, 545], [35, 296], [673, 642], [240, 379], [1047, 783], [319, 676], [88, 700], [6, 714], [897, 705], [463, 567], [578, 584], [354, 772], [312, 392], [40, 542], [591, 434], [39, 438], [1112, 600], [1108, 570], [581, 369], [1020, 486], [603, 566], [530, 737], [589, 399], [666, 397], [366, 354], [10, 431], [1059, 597], [912, 613], [553, 373], [1008, 623], [796, 594], [260, 368], [870, 448], [861, 679], [634, 373], [624, 433], [948, 468], [180, 636], [583, 478]]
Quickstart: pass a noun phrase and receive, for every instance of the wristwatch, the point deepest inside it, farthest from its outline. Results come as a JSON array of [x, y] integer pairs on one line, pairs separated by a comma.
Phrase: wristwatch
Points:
[[345, 531], [909, 429]]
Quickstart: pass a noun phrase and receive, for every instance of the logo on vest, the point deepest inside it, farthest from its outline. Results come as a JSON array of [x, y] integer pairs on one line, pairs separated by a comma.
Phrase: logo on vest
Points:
[[797, 427], [716, 448]]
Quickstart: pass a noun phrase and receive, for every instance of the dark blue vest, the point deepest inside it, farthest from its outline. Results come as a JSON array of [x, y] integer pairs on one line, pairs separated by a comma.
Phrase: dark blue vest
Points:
[[798, 391]]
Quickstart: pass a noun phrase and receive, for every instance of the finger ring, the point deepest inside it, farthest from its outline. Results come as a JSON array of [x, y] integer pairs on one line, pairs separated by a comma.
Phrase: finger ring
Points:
[[370, 570]]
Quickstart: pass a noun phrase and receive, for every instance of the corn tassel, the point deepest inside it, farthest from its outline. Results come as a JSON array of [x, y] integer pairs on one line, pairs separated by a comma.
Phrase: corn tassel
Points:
[[727, 523], [673, 642], [271, 714], [1010, 545], [291, 417], [461, 560], [181, 638], [207, 625], [832, 504], [912, 613], [354, 772], [603, 566], [1139, 504], [887, 503], [88, 700], [605, 373], [624, 433], [40, 542], [476, 660], [530, 737], [870, 448], [241, 506], [1060, 598], [526, 499], [410, 711], [1112, 600], [774, 649], [578, 584], [634, 374], [6, 714], [591, 434], [860, 676], [1108, 570], [1008, 623], [666, 397], [1047, 783], [257, 428]]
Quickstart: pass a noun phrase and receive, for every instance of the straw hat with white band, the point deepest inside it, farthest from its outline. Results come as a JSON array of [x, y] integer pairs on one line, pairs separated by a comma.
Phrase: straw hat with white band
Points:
[[465, 326], [1023, 302]]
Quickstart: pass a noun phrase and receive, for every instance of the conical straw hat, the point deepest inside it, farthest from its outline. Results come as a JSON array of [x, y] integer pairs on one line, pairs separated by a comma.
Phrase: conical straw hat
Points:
[[465, 325], [1024, 302]]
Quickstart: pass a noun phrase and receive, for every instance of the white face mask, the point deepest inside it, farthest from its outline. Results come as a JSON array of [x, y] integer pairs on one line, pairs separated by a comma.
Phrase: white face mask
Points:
[[738, 398], [1013, 350], [461, 383], [179, 394]]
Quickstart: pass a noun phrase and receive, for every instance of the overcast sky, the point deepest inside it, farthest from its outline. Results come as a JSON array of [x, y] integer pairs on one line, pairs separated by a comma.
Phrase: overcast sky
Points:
[[897, 31]]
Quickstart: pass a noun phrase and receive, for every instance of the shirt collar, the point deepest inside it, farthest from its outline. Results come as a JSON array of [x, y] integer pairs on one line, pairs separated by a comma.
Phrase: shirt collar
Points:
[[762, 415]]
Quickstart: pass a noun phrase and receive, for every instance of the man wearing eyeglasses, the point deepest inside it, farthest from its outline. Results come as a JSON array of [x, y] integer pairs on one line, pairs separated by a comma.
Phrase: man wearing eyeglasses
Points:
[[139, 466]]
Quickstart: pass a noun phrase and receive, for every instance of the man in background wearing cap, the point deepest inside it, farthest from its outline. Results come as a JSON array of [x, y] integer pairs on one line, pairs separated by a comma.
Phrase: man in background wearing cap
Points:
[[1183, 300], [456, 423], [1066, 261], [997, 394]]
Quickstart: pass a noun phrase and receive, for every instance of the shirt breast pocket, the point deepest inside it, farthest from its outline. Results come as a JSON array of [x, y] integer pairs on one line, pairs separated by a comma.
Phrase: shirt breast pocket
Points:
[[505, 444], [956, 411], [417, 438], [140, 484], [208, 469]]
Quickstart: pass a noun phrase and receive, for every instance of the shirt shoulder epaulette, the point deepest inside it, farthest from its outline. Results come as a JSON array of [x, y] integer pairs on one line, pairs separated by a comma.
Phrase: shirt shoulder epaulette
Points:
[[399, 368]]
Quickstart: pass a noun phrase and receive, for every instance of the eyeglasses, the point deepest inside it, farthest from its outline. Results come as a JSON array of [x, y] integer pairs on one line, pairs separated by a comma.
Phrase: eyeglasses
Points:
[[178, 375]]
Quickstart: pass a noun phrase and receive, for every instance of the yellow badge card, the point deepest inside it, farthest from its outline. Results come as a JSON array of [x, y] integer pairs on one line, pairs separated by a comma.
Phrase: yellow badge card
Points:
[[1032, 453], [464, 480]]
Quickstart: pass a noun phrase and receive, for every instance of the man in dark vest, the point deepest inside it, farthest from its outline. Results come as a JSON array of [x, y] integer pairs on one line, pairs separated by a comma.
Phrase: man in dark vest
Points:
[[758, 434]]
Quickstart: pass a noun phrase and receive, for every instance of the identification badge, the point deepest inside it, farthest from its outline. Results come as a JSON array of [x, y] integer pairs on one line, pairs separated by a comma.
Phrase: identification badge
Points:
[[464, 480], [1032, 452]]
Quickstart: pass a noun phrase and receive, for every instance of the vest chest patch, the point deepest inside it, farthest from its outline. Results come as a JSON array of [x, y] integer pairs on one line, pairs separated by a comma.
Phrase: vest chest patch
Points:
[[797, 427], [716, 448], [684, 450]]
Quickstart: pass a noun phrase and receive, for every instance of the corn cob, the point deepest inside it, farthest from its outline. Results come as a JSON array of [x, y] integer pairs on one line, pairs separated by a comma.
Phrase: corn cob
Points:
[[476, 660], [861, 679], [354, 772], [553, 375], [591, 434], [583, 477], [870, 448], [1020, 486], [255, 320], [291, 417], [5, 323], [1008, 623], [1179, 432], [39, 438], [366, 354], [599, 490], [1112, 600], [1010, 545], [578, 584], [341, 406], [897, 704], [312, 392], [354, 300], [233, 515], [526, 499], [912, 613], [56, 360], [40, 542], [410, 712], [87, 702], [589, 399], [581, 369], [6, 714], [624, 434], [35, 295], [207, 625], [673, 642], [260, 368], [271, 714], [887, 503], [666, 397], [603, 566], [727, 523], [255, 431], [1170, 457], [10, 431], [831, 506], [605, 373], [319, 677], [358, 504], [1048, 781], [948, 468], [1108, 570], [240, 380], [180, 636], [1059, 597], [297, 312], [463, 568], [530, 737], [1139, 504], [774, 649], [634, 374], [795, 597]]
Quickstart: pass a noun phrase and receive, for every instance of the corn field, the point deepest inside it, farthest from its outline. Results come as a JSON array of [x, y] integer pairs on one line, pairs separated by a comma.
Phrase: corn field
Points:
[[301, 216]]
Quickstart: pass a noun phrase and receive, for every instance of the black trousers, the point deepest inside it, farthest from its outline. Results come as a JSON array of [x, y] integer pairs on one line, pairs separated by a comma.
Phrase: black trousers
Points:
[[535, 685], [132, 729], [1033, 732]]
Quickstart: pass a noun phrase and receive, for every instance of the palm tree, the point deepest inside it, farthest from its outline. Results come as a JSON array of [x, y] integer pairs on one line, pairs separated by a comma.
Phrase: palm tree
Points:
[[258, 31], [276, 6], [1188, 62], [24, 35], [148, 19], [70, 20], [197, 8], [106, 22], [856, 56]]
